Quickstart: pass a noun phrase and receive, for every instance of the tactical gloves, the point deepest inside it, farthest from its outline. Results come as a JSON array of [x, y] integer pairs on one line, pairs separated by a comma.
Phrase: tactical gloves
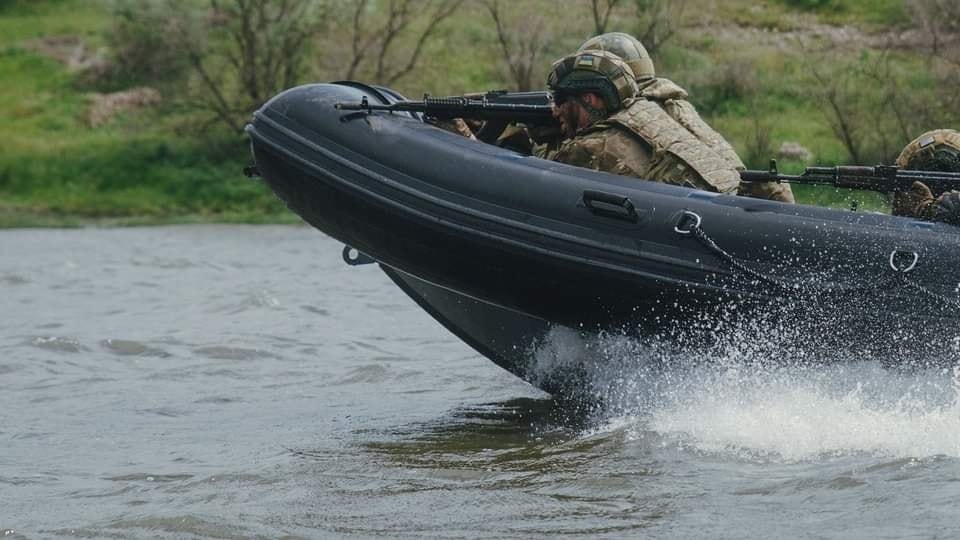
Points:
[[920, 203], [947, 208]]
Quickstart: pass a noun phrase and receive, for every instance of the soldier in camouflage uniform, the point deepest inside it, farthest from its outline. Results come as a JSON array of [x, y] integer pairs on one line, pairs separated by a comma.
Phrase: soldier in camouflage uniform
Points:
[[607, 127], [937, 150], [673, 100]]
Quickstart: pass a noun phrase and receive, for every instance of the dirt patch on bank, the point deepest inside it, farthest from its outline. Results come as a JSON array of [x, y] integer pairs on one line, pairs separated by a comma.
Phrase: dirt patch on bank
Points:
[[104, 107], [71, 51]]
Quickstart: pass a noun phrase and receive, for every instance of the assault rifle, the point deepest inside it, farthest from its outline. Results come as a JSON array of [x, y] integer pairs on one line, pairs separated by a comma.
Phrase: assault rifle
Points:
[[497, 108], [882, 178]]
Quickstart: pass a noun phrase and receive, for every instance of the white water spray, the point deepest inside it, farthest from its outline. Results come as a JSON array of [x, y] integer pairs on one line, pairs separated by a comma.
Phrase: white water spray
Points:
[[754, 404]]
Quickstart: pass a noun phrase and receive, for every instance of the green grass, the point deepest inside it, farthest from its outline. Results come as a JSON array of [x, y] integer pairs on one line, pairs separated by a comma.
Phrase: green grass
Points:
[[56, 170], [22, 20]]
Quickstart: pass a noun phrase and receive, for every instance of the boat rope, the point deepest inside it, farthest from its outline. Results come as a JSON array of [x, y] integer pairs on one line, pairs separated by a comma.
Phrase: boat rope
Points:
[[690, 224], [941, 298]]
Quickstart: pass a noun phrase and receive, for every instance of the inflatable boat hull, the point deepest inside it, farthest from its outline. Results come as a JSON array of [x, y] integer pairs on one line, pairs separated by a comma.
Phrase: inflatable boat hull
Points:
[[593, 251]]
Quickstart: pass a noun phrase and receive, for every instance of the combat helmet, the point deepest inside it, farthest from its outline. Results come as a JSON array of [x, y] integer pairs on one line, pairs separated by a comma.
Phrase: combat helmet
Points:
[[937, 150], [626, 47], [601, 72]]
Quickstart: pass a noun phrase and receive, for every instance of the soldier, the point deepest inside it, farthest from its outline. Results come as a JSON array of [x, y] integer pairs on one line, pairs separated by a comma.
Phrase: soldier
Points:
[[673, 100], [937, 150], [608, 128]]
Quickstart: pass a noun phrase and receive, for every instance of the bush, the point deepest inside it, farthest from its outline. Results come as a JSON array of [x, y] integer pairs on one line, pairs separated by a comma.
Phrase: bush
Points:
[[145, 43]]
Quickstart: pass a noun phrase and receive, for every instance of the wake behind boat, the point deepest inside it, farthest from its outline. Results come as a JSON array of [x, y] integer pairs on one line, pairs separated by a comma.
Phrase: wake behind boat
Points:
[[526, 244]]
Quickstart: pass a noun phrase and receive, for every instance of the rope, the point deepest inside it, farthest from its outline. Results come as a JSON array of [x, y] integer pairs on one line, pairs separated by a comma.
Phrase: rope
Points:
[[810, 288], [943, 299]]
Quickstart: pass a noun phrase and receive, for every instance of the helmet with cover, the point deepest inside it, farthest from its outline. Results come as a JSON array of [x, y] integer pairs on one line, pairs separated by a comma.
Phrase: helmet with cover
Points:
[[626, 47], [600, 72], [937, 150]]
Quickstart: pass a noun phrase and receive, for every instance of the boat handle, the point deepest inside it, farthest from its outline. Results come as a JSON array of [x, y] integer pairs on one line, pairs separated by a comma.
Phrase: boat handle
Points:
[[610, 205]]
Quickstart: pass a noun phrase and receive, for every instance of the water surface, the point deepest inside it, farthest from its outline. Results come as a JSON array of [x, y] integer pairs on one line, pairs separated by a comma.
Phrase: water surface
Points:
[[237, 382]]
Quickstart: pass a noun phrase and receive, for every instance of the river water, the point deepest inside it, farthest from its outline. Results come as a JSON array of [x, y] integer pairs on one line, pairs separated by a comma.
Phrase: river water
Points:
[[241, 381]]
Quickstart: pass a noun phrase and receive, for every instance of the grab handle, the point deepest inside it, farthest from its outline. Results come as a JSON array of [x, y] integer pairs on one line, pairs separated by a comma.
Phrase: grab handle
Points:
[[610, 205]]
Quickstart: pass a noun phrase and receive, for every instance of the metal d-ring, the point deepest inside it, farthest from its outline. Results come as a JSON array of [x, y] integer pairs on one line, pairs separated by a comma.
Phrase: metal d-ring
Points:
[[684, 216], [909, 267]]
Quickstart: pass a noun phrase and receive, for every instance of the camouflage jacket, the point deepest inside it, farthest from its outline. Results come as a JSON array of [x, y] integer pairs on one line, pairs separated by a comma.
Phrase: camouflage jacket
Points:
[[642, 140], [661, 137]]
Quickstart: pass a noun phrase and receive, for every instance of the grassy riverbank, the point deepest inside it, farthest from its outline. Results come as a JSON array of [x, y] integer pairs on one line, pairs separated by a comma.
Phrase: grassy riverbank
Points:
[[58, 167]]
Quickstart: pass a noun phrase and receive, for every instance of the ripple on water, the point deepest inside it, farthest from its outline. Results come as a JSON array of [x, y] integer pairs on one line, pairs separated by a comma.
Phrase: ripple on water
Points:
[[165, 263], [186, 526], [253, 301], [217, 352], [372, 373], [149, 477], [217, 400], [165, 411], [125, 347], [58, 344], [13, 279], [316, 310]]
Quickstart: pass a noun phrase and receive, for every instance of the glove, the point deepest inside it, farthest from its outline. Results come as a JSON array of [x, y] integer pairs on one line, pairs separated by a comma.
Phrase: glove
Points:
[[918, 202], [947, 208]]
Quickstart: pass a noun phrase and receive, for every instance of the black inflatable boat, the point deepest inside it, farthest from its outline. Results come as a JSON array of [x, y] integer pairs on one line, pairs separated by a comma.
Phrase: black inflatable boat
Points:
[[499, 246]]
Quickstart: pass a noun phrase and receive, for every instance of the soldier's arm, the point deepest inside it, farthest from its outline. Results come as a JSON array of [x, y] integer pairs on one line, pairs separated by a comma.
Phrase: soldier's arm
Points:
[[597, 151]]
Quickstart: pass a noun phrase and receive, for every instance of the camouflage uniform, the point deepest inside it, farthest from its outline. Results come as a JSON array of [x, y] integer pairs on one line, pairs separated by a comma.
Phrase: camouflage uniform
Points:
[[937, 150], [643, 141], [673, 100], [640, 138]]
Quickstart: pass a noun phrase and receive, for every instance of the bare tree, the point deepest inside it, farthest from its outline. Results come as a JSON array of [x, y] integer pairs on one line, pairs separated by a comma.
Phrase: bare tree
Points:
[[418, 20], [939, 25], [658, 21], [260, 52], [841, 110], [867, 101], [601, 10], [522, 48]]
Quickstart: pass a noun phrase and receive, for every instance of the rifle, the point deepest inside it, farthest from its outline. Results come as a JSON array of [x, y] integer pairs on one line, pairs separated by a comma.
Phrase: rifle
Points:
[[881, 178], [497, 108]]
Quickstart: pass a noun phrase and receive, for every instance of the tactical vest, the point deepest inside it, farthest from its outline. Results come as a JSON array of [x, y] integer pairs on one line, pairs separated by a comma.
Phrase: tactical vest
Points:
[[673, 99], [666, 136]]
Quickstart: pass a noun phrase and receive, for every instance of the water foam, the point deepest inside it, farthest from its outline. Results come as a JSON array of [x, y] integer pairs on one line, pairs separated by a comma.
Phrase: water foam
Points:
[[799, 415], [751, 402]]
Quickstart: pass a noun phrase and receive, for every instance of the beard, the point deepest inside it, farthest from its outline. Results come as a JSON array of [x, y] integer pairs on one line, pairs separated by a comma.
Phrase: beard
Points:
[[570, 117]]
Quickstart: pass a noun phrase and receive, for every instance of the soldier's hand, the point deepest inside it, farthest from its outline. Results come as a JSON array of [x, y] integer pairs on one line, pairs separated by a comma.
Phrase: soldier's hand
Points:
[[918, 202], [947, 208], [545, 134]]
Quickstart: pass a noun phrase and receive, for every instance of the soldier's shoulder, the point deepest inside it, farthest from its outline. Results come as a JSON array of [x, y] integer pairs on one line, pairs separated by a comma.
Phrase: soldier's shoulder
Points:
[[661, 89]]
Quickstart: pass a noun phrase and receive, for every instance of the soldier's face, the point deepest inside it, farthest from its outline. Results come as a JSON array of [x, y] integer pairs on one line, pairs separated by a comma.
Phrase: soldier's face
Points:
[[568, 113]]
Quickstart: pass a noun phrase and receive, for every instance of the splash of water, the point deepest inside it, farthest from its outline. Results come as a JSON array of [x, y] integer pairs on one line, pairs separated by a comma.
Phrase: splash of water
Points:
[[799, 414], [752, 402]]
